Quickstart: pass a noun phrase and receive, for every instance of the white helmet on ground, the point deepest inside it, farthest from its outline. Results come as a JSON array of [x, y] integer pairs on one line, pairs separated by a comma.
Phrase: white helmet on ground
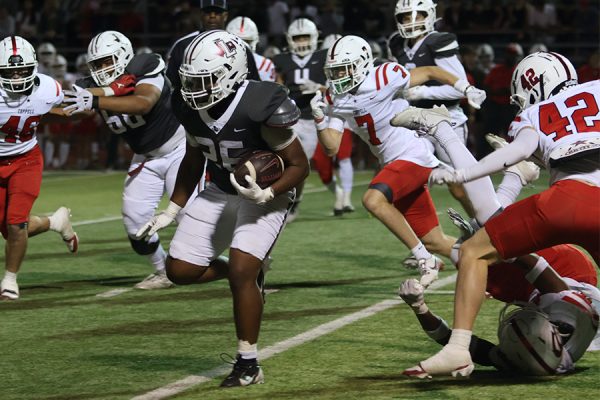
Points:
[[415, 28], [529, 341], [330, 40], [213, 64], [109, 53], [577, 319], [18, 64], [348, 62], [539, 76], [245, 29], [298, 45], [46, 53]]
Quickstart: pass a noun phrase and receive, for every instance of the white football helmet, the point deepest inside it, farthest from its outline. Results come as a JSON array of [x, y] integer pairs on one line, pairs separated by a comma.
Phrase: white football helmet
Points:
[[577, 319], [529, 341], [59, 67], [330, 40], [245, 29], [348, 62], [415, 28], [109, 53], [46, 53], [301, 46], [81, 64], [213, 63], [18, 64], [376, 49], [539, 76]]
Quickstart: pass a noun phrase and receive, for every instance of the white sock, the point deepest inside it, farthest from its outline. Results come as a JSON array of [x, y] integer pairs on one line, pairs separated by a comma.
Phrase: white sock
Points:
[[420, 252], [454, 253], [347, 198], [461, 338], [63, 153], [10, 277], [247, 351], [95, 147], [480, 191], [509, 189], [158, 259], [346, 172]]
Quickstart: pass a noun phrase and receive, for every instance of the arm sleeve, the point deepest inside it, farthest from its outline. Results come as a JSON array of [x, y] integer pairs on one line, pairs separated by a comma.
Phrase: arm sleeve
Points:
[[157, 81], [521, 148], [446, 92]]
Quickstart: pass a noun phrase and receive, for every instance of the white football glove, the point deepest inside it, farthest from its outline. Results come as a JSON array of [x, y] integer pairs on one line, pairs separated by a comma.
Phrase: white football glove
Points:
[[474, 96], [310, 87], [81, 99], [413, 294], [318, 107], [159, 221], [442, 175], [415, 93], [253, 192]]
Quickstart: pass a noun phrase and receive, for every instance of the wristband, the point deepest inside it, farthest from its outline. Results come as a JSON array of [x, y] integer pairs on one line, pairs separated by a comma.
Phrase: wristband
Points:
[[324, 123], [462, 85], [95, 105], [539, 267], [108, 91], [172, 209]]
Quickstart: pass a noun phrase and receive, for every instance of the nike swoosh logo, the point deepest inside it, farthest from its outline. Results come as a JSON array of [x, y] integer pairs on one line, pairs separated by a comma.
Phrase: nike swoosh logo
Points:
[[314, 62], [239, 130], [421, 55], [506, 165]]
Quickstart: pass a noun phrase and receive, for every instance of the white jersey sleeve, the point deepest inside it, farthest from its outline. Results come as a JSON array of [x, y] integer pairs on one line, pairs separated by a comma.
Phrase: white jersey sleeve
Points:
[[567, 120], [19, 118]]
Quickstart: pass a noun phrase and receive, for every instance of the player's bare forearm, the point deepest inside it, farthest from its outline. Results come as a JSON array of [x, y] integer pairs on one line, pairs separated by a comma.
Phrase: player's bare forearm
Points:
[[330, 140], [296, 168], [139, 103], [420, 75], [189, 175]]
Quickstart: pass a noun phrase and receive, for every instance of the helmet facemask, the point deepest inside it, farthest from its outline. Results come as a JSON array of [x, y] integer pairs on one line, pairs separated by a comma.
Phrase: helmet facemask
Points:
[[200, 90], [302, 45], [342, 77], [18, 77], [106, 69]]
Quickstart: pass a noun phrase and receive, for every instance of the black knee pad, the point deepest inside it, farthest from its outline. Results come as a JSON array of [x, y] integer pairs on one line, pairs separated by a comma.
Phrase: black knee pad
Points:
[[384, 189], [142, 247]]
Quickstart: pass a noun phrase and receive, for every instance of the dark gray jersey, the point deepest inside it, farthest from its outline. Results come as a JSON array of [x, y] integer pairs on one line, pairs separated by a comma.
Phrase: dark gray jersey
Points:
[[294, 70], [143, 133], [436, 45], [226, 141]]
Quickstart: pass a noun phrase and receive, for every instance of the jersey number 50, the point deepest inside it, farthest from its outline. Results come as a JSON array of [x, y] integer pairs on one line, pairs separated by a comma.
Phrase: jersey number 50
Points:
[[551, 121], [121, 122]]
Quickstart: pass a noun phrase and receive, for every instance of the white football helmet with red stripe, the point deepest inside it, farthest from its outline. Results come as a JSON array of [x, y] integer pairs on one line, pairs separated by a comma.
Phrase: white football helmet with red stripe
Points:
[[577, 319], [539, 76], [348, 62], [213, 64], [245, 29], [415, 28], [109, 53], [18, 64], [529, 341], [296, 33]]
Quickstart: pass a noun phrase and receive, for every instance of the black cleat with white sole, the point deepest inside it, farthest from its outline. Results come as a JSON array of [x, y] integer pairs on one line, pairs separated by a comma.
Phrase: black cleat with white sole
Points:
[[244, 373]]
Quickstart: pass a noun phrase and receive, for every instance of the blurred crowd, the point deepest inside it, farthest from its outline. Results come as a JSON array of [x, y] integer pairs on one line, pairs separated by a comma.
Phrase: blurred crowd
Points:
[[494, 36]]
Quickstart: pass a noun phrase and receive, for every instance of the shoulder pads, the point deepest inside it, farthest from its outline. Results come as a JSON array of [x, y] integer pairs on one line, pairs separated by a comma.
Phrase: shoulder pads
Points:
[[146, 65], [286, 115], [266, 98], [442, 44]]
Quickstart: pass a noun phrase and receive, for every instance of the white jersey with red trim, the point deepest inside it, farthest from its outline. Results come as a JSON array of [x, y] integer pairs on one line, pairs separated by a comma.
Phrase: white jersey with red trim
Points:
[[266, 68], [369, 110], [567, 119], [20, 116]]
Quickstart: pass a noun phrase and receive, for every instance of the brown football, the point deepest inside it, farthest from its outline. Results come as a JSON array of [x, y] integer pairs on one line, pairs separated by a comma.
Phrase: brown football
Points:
[[264, 166]]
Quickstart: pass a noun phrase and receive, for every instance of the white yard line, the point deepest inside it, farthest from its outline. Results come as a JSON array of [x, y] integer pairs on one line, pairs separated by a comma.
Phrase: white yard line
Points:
[[114, 292], [193, 380], [97, 221]]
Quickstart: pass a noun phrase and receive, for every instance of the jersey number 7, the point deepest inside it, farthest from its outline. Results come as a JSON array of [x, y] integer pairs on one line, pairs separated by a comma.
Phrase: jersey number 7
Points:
[[551, 121], [367, 119]]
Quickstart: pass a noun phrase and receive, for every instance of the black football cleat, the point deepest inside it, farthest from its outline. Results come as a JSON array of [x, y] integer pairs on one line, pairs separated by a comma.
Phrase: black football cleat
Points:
[[244, 373]]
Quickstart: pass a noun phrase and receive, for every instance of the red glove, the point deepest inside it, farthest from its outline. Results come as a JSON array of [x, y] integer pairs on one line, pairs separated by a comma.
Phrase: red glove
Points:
[[123, 85]]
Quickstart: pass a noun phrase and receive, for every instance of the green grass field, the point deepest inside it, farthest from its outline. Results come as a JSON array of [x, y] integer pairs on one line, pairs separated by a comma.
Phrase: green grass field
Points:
[[61, 341]]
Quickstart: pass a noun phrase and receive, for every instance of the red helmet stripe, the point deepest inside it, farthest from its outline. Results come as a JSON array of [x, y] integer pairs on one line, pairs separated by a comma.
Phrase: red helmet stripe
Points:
[[563, 64], [333, 48], [14, 45], [530, 348]]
